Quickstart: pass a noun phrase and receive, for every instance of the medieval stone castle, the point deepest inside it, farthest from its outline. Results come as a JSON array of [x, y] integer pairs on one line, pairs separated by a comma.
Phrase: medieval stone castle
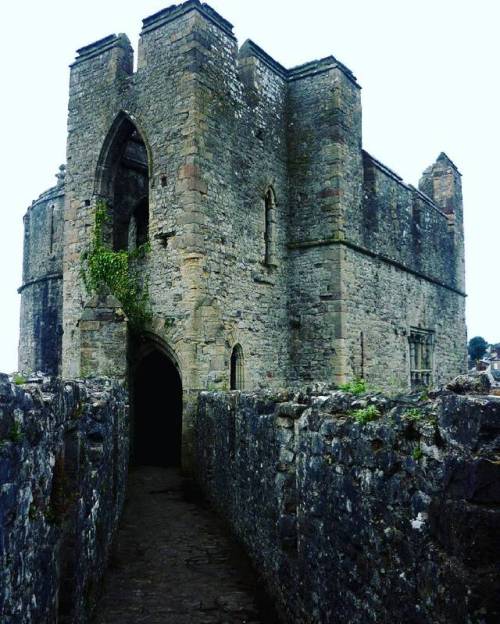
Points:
[[266, 251], [280, 251]]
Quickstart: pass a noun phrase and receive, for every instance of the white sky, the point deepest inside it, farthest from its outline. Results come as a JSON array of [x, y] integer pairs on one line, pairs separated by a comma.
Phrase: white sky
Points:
[[428, 68]]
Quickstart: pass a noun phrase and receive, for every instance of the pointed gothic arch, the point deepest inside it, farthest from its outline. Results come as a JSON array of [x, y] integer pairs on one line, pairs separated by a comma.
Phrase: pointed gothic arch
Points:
[[237, 372], [122, 180]]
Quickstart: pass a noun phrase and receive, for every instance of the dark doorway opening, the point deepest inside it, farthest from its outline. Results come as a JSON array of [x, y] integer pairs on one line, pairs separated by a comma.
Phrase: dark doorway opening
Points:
[[157, 412]]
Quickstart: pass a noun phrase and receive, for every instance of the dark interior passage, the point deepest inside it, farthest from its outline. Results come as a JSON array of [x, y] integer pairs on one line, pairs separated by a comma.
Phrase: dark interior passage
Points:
[[157, 412]]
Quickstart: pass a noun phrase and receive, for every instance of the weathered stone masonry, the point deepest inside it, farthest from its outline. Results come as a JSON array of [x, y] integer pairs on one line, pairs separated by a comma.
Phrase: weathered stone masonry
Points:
[[327, 285], [41, 292], [394, 520], [63, 467]]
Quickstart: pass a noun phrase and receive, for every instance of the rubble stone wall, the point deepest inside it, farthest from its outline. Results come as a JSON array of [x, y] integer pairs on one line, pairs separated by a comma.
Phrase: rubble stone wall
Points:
[[63, 468], [357, 520]]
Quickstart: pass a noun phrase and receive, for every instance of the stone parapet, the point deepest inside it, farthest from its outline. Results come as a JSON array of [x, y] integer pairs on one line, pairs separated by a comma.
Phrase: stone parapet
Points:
[[360, 508], [63, 468]]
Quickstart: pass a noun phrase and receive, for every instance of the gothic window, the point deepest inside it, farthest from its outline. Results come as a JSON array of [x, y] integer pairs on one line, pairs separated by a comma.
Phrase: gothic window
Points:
[[237, 381], [421, 357], [270, 227], [123, 182]]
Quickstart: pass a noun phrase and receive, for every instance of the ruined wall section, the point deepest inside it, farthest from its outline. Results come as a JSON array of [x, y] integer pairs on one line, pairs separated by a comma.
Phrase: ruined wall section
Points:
[[399, 223], [392, 520], [403, 264], [443, 184], [63, 469], [325, 173], [41, 290]]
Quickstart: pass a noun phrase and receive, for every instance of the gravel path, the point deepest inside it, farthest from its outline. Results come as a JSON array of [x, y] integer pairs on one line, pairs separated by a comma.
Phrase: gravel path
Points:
[[174, 563]]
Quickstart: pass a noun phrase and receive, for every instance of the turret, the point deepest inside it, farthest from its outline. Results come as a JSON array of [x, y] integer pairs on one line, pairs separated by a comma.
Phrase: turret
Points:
[[443, 184], [41, 290]]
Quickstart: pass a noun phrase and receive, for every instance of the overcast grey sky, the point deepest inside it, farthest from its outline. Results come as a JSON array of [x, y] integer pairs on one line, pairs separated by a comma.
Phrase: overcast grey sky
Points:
[[428, 68]]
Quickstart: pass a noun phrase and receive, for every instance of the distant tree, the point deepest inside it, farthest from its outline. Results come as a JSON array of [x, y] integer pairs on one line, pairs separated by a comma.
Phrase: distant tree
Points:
[[477, 348]]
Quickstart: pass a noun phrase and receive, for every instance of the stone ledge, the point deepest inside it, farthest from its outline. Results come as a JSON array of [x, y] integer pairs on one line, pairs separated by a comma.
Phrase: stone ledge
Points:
[[99, 47], [175, 11]]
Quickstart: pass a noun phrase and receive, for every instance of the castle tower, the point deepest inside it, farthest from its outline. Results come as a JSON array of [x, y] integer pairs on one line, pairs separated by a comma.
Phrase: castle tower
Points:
[[277, 250], [41, 290]]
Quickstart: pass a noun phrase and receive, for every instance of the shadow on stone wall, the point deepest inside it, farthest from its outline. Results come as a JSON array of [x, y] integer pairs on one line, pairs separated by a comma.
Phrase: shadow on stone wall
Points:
[[63, 469]]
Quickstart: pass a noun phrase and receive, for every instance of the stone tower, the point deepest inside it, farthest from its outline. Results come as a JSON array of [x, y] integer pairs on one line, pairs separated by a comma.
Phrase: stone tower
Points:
[[41, 290], [281, 251]]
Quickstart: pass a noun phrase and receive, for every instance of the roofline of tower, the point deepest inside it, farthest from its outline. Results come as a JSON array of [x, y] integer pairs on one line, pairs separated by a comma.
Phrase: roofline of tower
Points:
[[397, 178], [101, 45], [253, 49], [298, 72], [51, 193], [320, 66], [173, 12], [444, 156], [176, 10]]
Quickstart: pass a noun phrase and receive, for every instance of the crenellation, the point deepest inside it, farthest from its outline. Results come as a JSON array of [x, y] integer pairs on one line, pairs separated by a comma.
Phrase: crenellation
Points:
[[176, 11], [251, 49], [313, 68]]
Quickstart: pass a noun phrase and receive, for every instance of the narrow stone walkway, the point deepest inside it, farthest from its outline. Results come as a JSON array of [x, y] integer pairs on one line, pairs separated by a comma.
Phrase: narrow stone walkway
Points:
[[173, 562]]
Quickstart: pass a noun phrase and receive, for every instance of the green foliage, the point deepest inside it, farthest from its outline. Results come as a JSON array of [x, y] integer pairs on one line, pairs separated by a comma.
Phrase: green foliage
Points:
[[33, 512], [366, 414], [477, 347], [104, 270], [18, 379], [424, 395], [356, 386], [16, 433], [417, 453], [413, 414]]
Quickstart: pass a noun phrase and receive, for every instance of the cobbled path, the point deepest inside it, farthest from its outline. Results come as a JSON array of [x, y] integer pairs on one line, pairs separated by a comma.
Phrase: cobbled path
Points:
[[173, 562]]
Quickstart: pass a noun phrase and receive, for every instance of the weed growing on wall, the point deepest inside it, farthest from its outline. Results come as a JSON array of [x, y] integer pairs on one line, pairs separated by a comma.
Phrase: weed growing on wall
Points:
[[18, 379], [106, 271], [366, 414], [356, 386]]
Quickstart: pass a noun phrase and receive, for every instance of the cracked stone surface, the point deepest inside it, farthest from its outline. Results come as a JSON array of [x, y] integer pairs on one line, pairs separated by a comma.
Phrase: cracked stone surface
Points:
[[174, 563]]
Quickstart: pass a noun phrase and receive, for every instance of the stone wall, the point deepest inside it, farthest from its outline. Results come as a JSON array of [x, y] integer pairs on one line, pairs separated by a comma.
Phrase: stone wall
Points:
[[382, 304], [389, 520], [63, 467]]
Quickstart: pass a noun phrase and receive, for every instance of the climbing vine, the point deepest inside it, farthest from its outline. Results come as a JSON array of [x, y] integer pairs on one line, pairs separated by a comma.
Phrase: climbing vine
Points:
[[104, 270]]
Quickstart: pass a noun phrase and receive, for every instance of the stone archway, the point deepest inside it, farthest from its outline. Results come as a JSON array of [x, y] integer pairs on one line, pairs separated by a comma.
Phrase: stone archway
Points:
[[156, 407]]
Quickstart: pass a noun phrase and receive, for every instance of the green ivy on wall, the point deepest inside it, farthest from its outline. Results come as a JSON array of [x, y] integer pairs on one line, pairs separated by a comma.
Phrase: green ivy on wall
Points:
[[116, 272]]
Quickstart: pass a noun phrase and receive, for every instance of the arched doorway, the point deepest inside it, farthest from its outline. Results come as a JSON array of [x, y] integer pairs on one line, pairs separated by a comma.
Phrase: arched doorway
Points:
[[156, 393]]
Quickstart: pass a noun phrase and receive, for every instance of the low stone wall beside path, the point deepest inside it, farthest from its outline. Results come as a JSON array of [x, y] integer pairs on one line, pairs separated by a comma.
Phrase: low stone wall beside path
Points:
[[361, 508], [63, 469]]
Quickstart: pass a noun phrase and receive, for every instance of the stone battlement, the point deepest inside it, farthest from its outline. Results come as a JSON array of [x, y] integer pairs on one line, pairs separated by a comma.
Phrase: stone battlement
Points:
[[177, 10]]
